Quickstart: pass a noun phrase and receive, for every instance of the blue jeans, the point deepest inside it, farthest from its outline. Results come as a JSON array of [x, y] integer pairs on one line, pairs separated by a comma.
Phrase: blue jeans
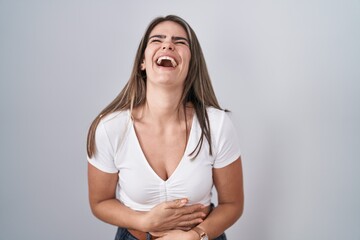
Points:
[[123, 234]]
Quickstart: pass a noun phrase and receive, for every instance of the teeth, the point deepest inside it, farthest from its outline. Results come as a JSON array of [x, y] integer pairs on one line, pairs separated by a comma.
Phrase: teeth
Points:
[[173, 62]]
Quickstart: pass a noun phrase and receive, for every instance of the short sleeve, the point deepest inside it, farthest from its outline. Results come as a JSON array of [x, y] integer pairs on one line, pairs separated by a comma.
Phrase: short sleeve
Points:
[[227, 143], [103, 159]]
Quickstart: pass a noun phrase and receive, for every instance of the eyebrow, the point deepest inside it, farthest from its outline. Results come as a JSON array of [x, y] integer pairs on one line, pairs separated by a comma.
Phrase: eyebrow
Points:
[[174, 38]]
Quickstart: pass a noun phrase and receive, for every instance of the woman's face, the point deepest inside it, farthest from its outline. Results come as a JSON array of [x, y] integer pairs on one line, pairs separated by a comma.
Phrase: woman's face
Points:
[[167, 55]]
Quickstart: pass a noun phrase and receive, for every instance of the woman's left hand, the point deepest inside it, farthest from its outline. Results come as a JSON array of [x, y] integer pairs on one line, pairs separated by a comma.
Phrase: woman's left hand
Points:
[[176, 235]]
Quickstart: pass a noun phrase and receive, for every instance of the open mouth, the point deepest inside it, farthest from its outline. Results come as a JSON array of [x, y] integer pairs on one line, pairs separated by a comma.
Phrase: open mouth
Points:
[[166, 61]]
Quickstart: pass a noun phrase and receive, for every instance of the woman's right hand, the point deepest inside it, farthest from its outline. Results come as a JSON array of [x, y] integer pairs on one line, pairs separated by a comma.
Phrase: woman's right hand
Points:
[[173, 215]]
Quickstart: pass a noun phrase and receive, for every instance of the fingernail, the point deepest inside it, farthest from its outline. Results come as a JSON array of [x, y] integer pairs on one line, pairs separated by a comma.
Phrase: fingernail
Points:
[[184, 200]]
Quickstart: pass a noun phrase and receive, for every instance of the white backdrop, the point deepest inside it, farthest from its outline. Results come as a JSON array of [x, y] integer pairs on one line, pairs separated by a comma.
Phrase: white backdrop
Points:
[[288, 70]]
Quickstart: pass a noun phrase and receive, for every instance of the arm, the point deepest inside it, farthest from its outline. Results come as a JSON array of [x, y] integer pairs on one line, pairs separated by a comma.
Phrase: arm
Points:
[[229, 185], [165, 216], [103, 202]]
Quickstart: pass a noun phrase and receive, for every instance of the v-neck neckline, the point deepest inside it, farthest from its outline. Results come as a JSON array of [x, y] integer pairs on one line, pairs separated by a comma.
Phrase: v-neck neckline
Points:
[[133, 131]]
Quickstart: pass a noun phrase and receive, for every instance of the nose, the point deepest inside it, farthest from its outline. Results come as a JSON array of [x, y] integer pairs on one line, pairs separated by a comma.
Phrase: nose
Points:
[[168, 45]]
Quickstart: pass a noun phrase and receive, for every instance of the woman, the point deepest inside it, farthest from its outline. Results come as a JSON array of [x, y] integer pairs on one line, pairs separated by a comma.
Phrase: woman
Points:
[[156, 151]]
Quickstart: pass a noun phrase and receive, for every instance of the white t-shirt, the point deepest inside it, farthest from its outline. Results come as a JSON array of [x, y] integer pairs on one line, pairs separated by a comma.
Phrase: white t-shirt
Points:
[[140, 188]]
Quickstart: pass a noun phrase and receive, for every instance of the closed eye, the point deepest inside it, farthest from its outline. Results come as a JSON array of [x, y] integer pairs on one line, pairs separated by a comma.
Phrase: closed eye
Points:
[[155, 40], [181, 42]]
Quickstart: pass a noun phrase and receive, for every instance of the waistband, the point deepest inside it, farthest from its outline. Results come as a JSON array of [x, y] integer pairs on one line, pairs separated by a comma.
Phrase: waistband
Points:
[[140, 235]]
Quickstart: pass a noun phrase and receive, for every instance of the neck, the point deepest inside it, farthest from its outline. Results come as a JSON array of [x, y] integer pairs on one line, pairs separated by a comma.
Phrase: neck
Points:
[[163, 105]]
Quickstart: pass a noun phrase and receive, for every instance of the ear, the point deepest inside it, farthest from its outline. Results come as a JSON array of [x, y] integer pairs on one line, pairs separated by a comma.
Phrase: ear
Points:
[[142, 65]]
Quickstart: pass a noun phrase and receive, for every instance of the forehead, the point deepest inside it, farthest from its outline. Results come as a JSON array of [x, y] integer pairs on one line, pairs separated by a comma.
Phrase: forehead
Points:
[[169, 28]]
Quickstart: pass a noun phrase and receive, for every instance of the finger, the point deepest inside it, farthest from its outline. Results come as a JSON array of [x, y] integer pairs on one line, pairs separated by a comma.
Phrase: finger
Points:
[[184, 228], [192, 208], [190, 223], [178, 203], [157, 234], [194, 215]]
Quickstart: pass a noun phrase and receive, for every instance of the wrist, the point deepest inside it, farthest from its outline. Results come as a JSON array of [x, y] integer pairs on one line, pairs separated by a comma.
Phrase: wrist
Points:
[[201, 234], [144, 223], [194, 234]]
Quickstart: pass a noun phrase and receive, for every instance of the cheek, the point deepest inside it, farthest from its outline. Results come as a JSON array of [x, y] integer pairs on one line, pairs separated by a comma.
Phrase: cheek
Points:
[[148, 54]]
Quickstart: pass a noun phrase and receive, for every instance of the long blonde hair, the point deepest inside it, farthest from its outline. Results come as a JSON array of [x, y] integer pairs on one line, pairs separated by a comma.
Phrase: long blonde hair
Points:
[[198, 89]]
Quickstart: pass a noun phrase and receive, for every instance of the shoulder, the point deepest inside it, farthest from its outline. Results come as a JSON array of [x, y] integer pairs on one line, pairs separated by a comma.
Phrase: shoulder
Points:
[[220, 120], [214, 111], [216, 116], [115, 123], [115, 118], [226, 144]]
